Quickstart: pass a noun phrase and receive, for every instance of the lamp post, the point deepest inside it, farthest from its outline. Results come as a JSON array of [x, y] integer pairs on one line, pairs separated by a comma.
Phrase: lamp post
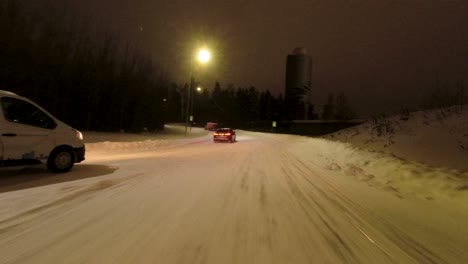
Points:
[[203, 56], [192, 103]]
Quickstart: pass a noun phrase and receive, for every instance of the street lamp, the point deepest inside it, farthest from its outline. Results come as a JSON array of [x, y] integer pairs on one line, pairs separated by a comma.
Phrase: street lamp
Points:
[[192, 103], [203, 56]]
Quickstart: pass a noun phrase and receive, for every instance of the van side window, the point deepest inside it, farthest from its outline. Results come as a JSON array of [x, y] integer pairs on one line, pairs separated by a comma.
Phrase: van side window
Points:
[[19, 111]]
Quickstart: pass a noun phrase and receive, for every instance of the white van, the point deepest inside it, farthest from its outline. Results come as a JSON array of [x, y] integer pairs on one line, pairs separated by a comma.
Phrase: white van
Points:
[[30, 135]]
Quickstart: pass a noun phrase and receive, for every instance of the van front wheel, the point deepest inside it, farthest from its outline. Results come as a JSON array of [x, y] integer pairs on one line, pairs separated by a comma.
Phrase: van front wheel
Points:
[[61, 160]]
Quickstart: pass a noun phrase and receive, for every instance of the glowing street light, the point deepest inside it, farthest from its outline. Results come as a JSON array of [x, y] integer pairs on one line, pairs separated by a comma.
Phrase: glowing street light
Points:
[[204, 56]]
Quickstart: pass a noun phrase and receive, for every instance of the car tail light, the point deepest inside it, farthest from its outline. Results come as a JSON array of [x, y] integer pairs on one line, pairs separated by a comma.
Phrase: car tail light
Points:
[[227, 134], [216, 134]]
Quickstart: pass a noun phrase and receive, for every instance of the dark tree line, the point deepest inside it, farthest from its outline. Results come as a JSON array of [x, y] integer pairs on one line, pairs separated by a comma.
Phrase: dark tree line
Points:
[[230, 106], [95, 82]]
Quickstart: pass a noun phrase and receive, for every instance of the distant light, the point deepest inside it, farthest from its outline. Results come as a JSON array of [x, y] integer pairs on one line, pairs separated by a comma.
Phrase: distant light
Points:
[[199, 89], [204, 56], [164, 100]]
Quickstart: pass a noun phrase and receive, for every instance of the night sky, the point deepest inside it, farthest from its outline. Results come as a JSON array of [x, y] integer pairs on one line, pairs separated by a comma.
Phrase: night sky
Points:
[[383, 54]]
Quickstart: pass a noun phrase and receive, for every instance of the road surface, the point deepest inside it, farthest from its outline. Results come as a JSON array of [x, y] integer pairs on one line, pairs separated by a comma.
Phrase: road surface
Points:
[[259, 200]]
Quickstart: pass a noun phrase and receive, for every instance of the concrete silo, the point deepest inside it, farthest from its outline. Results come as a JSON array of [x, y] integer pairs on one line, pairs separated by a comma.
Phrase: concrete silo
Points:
[[298, 84]]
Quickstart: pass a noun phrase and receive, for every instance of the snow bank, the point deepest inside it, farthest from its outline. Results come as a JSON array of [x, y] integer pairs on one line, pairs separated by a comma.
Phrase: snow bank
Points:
[[109, 146], [384, 171], [421, 153], [438, 138], [126, 142]]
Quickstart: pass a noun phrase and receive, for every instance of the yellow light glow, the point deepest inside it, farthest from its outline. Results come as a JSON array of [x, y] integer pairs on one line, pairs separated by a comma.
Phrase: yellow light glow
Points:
[[204, 56], [199, 89]]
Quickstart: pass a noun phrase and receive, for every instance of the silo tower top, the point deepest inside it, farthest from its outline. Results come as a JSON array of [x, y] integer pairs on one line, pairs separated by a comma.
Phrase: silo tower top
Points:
[[300, 51]]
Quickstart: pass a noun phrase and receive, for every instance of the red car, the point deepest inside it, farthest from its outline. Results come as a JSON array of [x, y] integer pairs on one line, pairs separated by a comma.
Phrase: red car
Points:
[[225, 135]]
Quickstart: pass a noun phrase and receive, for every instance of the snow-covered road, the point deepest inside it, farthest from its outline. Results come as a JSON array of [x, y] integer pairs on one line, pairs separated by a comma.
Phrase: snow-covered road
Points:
[[260, 200]]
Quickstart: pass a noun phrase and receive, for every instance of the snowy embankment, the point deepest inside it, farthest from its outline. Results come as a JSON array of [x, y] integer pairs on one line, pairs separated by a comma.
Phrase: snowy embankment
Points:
[[423, 153]]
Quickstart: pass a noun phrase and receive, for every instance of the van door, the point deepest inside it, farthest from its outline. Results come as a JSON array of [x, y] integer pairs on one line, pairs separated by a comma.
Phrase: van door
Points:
[[27, 131]]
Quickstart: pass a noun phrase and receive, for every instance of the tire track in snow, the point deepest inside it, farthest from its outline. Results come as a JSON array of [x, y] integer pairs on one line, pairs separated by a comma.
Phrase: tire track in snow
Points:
[[406, 244], [317, 215]]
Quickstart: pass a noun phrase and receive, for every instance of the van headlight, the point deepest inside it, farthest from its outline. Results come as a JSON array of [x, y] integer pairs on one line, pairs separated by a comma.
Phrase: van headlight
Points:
[[78, 134]]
